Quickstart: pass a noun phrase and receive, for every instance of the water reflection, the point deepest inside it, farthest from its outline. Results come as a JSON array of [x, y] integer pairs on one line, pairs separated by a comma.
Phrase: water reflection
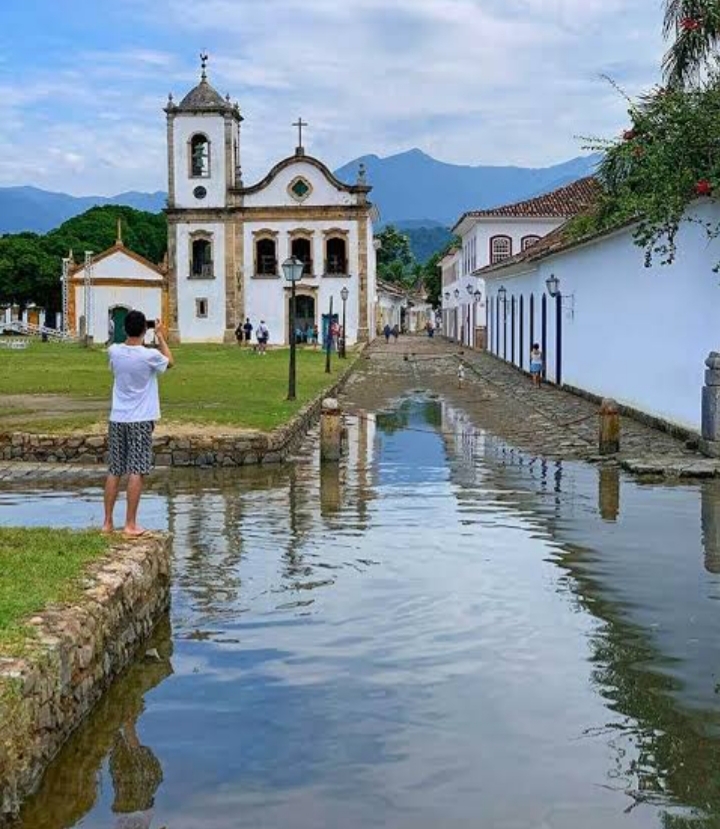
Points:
[[70, 791], [440, 628]]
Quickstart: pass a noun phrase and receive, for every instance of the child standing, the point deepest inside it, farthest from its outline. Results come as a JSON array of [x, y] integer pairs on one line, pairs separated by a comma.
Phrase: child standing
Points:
[[536, 364], [461, 375]]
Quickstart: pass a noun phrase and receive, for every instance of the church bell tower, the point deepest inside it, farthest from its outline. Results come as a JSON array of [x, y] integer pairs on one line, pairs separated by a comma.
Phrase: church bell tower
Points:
[[203, 137]]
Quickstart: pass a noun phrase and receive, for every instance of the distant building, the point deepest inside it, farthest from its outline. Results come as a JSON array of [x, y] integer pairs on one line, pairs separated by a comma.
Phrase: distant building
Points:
[[490, 236], [406, 308], [121, 280], [227, 240]]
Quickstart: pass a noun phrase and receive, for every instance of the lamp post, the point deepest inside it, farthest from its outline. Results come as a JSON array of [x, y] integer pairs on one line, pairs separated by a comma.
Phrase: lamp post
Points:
[[328, 338], [344, 294], [293, 270]]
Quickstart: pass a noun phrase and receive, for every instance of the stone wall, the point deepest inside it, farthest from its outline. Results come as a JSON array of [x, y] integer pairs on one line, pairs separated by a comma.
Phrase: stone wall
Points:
[[73, 657], [232, 450]]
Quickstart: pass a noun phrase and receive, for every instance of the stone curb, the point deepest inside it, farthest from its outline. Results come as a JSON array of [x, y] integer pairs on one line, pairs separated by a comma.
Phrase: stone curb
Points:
[[76, 653], [226, 451]]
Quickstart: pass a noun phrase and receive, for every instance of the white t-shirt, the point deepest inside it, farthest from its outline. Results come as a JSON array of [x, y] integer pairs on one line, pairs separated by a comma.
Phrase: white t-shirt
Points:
[[135, 396]]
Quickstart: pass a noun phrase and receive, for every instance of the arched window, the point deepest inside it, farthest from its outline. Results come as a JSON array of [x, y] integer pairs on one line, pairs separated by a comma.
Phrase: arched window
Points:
[[199, 156], [528, 241], [265, 257], [336, 256], [201, 265], [500, 248], [302, 249]]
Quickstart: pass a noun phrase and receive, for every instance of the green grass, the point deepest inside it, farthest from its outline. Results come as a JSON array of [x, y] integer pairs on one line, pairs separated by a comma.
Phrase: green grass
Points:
[[210, 384], [39, 567]]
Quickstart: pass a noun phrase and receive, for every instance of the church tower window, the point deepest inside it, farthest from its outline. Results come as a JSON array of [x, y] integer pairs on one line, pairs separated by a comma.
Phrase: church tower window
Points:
[[201, 263], [336, 256], [199, 156], [265, 257]]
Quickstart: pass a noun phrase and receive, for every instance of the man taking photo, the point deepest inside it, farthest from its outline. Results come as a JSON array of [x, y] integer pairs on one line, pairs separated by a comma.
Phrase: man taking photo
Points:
[[135, 409]]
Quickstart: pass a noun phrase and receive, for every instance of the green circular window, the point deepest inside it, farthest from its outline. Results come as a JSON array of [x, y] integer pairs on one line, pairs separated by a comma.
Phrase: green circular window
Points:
[[300, 189]]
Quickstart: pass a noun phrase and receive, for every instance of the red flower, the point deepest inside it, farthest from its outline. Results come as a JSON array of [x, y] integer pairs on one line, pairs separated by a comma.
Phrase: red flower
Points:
[[690, 24], [703, 187], [628, 135]]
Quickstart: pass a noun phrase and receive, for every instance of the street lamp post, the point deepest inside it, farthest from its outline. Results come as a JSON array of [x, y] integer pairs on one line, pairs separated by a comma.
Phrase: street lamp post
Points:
[[344, 294], [293, 270], [328, 338]]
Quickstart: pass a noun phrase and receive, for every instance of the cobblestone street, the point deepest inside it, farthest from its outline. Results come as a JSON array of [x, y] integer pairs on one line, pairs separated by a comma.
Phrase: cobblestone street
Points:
[[547, 421]]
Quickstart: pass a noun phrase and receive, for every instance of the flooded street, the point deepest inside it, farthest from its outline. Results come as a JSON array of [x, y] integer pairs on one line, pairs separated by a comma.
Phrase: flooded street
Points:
[[445, 631]]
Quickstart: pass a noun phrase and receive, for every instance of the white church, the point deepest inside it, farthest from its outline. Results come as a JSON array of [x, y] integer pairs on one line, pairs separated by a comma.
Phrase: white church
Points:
[[227, 240]]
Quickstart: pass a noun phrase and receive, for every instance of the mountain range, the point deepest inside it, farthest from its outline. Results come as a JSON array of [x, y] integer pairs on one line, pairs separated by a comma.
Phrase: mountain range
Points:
[[411, 189]]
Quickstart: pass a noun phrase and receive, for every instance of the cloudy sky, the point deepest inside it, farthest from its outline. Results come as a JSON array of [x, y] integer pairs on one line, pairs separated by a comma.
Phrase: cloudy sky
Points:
[[83, 82]]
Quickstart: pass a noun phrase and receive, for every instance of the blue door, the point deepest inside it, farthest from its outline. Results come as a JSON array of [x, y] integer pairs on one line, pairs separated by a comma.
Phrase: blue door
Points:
[[326, 326]]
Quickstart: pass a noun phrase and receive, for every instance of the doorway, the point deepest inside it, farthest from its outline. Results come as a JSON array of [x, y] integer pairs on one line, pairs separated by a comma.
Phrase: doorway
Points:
[[117, 316], [304, 316]]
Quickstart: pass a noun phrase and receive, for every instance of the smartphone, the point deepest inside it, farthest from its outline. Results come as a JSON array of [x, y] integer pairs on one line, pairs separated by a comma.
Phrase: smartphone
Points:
[[151, 323]]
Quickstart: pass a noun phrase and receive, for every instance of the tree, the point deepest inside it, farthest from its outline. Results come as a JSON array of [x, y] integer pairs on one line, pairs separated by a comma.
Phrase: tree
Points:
[[654, 172], [395, 247], [27, 272], [694, 26], [31, 265]]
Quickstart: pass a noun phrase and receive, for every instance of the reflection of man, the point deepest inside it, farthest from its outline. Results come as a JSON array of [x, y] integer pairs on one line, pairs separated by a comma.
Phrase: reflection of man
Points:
[[136, 775]]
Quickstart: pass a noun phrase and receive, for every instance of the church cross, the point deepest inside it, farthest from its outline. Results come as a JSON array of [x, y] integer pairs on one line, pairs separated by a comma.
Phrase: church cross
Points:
[[300, 124]]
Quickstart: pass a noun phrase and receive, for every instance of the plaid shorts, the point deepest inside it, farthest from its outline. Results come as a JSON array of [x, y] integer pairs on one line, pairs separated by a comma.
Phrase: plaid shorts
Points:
[[130, 448]]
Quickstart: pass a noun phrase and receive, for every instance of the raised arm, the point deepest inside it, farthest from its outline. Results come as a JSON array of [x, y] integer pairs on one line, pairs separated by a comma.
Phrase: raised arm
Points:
[[162, 343]]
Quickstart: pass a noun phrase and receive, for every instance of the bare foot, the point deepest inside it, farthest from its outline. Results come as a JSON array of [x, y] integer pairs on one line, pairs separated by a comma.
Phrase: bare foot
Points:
[[134, 531], [107, 529]]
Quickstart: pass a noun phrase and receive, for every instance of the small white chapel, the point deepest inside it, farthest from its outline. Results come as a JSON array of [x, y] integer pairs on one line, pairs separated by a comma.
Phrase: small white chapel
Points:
[[227, 240]]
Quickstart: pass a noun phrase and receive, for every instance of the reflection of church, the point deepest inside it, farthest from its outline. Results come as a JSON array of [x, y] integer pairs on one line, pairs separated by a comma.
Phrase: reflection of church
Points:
[[227, 241]]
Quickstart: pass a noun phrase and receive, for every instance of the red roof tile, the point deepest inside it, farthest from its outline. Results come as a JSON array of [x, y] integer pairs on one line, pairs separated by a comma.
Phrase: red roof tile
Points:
[[563, 203]]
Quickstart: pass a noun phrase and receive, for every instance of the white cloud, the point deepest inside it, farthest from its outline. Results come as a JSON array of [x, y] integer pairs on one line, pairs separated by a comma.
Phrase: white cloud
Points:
[[472, 81]]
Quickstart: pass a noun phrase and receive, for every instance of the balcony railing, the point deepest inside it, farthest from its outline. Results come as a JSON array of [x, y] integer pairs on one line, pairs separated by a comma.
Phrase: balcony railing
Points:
[[202, 270], [336, 266]]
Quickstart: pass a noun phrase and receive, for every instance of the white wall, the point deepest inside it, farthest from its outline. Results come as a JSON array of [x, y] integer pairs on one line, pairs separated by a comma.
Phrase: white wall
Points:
[[275, 193], [192, 328], [121, 266], [265, 298], [213, 126], [637, 334], [148, 300]]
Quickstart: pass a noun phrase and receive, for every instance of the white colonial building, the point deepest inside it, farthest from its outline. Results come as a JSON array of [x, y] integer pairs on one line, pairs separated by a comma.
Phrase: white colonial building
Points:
[[227, 240], [609, 325], [488, 237], [120, 280]]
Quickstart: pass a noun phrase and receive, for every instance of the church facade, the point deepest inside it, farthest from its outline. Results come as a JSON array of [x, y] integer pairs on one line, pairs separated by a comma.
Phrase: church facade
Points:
[[227, 241]]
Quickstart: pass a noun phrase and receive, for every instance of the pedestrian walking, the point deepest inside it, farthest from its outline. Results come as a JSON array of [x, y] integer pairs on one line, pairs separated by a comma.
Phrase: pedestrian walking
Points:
[[334, 334], [387, 331], [461, 376], [263, 335], [536, 364], [396, 333], [247, 330], [135, 410]]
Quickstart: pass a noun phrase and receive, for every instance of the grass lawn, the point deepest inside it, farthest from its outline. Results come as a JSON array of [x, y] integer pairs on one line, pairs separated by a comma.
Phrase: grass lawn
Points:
[[210, 384], [38, 567]]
